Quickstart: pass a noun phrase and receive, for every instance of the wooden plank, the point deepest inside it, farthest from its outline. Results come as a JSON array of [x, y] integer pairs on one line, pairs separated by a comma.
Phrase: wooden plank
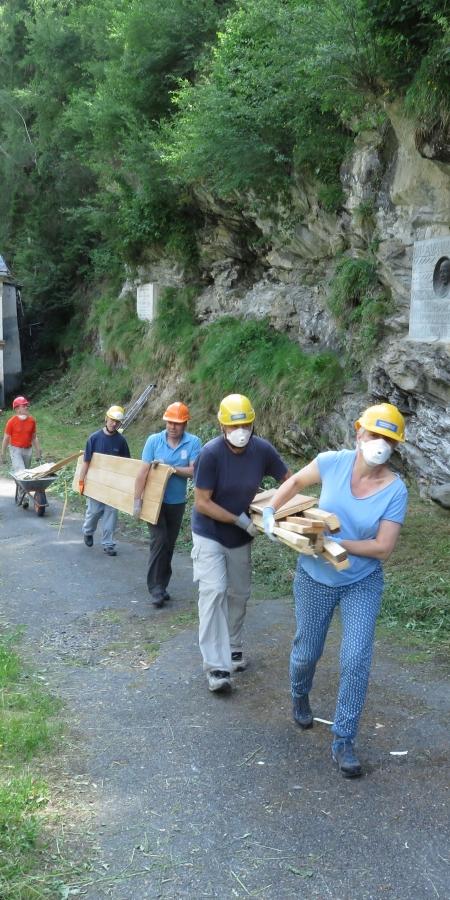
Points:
[[293, 524], [48, 468], [301, 525], [111, 480], [301, 519], [257, 520], [295, 541], [292, 527], [331, 521], [296, 504]]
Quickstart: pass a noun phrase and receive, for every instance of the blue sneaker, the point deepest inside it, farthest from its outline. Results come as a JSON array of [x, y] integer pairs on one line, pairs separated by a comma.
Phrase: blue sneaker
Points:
[[344, 756]]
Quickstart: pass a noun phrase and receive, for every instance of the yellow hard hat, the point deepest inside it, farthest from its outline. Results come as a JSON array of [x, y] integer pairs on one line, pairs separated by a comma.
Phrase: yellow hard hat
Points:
[[235, 410], [383, 419], [117, 413]]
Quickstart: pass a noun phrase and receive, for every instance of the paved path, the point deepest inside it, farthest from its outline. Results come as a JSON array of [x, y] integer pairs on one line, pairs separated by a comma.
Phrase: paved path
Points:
[[195, 795]]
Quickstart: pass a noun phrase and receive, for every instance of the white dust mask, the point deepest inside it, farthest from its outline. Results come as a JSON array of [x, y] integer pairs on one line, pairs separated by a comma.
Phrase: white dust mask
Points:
[[376, 452], [22, 417], [239, 437]]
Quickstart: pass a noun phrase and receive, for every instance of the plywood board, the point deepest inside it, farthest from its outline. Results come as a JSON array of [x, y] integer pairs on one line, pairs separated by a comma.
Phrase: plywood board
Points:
[[111, 480], [296, 504]]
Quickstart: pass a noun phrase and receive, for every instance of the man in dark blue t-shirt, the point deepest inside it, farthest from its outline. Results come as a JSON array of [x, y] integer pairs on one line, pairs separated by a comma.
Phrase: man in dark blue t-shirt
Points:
[[227, 475], [109, 441]]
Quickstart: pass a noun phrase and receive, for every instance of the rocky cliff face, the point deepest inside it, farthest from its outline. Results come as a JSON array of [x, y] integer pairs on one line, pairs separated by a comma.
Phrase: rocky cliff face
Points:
[[279, 266]]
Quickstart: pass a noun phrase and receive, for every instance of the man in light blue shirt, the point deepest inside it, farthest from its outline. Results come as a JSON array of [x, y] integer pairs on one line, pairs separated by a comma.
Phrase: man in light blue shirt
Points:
[[175, 447]]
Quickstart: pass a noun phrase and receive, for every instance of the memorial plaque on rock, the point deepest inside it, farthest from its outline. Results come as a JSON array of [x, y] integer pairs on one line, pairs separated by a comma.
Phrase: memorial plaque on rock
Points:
[[147, 299], [430, 291]]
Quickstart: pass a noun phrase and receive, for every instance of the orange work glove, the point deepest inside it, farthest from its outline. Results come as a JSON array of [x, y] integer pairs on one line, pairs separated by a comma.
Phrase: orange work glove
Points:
[[81, 487]]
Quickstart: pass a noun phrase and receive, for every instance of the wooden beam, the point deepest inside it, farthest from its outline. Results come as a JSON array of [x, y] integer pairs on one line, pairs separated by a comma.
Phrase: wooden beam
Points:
[[335, 550], [331, 521], [335, 554]]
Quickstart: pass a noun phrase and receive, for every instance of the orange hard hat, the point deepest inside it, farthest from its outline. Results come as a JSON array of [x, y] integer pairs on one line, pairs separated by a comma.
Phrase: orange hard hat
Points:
[[176, 412], [20, 401]]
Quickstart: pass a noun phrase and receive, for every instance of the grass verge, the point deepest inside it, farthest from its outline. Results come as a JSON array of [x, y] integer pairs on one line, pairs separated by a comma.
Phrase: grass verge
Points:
[[28, 730]]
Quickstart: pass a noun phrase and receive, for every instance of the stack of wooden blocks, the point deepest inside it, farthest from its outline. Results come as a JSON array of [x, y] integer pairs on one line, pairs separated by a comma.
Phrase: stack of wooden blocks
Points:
[[302, 526]]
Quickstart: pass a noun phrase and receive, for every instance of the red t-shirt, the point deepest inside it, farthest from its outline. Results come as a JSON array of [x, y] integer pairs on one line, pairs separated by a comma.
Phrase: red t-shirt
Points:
[[21, 431]]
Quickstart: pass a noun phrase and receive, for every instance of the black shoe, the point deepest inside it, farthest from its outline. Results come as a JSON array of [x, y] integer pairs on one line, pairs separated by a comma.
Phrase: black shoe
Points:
[[344, 756], [166, 597], [158, 602], [25, 504], [110, 551], [238, 662], [302, 711], [218, 680], [89, 540]]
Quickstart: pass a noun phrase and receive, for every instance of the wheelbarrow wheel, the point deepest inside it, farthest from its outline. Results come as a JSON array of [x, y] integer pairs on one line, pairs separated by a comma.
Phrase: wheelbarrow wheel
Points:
[[40, 501]]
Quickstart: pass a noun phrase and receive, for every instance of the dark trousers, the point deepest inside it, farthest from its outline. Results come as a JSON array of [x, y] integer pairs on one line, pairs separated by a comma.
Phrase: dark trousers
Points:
[[163, 536]]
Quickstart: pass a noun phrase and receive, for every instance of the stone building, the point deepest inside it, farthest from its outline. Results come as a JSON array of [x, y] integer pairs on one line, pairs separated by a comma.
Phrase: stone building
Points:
[[10, 358]]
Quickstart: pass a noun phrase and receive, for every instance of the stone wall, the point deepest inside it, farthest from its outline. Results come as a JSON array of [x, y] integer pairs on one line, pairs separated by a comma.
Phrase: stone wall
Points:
[[279, 266]]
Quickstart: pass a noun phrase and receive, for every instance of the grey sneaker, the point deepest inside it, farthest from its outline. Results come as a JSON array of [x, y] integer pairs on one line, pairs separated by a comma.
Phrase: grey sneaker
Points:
[[218, 680], [238, 662], [302, 711], [344, 756]]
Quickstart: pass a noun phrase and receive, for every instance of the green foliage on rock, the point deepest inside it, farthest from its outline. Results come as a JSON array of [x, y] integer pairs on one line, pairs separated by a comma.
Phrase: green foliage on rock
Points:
[[359, 305]]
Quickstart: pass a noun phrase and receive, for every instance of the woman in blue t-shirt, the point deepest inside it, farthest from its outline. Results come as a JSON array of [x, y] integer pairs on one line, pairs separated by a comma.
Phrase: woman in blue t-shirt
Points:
[[370, 502]]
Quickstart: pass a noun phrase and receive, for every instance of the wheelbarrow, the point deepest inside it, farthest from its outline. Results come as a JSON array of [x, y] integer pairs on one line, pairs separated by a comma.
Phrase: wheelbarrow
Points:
[[32, 490]]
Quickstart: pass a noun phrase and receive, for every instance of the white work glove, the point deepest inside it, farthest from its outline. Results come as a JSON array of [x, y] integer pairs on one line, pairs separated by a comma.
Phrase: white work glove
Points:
[[156, 462], [269, 522], [243, 521], [137, 509]]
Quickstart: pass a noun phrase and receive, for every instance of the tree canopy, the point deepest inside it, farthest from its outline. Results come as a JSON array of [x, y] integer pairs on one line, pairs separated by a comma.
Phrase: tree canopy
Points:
[[113, 112]]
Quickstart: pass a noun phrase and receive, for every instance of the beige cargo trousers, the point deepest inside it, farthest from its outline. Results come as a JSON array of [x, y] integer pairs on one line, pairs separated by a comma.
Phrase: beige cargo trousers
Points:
[[224, 580]]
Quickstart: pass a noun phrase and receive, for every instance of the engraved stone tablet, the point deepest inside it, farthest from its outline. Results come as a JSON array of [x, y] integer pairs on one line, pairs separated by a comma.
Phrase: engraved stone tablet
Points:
[[430, 291], [147, 299]]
